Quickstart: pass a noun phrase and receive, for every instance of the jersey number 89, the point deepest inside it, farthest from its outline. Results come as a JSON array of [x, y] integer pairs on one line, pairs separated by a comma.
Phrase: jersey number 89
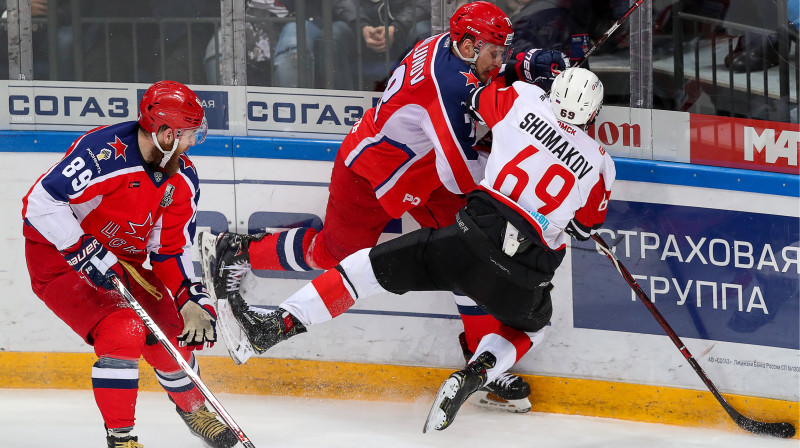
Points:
[[80, 182]]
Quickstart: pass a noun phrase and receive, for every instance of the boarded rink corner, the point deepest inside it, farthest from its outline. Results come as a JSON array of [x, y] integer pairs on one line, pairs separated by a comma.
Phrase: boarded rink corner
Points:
[[375, 382]]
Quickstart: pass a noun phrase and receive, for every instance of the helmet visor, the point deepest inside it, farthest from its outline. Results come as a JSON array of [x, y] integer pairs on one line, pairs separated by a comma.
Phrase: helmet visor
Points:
[[498, 53], [197, 135]]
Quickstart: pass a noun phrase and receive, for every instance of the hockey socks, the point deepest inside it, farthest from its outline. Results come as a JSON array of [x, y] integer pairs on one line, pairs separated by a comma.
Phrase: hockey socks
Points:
[[180, 387], [115, 383], [118, 341], [335, 291], [326, 297], [284, 251]]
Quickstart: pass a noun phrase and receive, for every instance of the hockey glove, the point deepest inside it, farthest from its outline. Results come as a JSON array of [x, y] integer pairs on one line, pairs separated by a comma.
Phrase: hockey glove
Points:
[[199, 317], [540, 67], [578, 230], [92, 261]]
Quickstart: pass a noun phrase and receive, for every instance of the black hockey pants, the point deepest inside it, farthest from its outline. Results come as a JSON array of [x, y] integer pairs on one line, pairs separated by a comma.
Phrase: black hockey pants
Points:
[[463, 259]]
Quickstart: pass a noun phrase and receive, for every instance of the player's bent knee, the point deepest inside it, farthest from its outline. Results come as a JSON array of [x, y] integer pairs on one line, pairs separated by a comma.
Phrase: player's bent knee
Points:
[[398, 264], [121, 334]]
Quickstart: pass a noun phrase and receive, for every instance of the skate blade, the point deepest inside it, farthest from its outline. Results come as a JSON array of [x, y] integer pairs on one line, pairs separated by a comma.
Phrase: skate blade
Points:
[[491, 401], [437, 419], [239, 348], [208, 258]]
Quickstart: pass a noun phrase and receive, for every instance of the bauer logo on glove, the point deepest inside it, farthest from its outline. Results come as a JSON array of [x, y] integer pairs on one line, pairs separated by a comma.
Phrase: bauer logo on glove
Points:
[[540, 67]]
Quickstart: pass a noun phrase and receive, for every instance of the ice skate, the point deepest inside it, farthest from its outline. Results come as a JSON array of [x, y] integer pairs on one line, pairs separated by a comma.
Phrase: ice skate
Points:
[[204, 424], [122, 439], [455, 391], [508, 392], [230, 260], [263, 330], [239, 347]]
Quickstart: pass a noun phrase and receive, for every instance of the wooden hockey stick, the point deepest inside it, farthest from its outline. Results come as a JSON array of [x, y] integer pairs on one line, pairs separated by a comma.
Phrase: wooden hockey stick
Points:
[[608, 33], [784, 429], [187, 369]]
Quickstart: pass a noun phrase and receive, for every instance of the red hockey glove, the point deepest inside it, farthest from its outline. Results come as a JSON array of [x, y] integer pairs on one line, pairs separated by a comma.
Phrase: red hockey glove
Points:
[[199, 317], [92, 261]]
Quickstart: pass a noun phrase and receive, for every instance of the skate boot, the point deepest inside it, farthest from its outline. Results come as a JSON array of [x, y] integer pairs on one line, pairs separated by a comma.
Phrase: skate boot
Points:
[[204, 424], [232, 261], [455, 391], [264, 330], [508, 392], [122, 439]]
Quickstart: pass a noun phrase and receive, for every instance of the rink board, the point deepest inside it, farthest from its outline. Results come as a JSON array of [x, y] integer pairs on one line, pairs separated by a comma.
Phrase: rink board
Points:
[[376, 382], [717, 249]]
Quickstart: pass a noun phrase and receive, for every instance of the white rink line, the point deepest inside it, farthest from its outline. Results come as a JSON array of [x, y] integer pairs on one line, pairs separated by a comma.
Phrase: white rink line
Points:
[[69, 419]]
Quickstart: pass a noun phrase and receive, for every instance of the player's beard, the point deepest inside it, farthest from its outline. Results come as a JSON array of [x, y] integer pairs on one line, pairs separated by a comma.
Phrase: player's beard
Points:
[[172, 167]]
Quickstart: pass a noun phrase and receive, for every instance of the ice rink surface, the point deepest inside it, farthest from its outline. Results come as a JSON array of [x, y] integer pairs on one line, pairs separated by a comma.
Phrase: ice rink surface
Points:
[[69, 419]]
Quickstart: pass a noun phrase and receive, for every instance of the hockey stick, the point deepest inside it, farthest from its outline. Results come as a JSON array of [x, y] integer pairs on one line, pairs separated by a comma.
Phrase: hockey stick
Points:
[[162, 338], [784, 430], [608, 33]]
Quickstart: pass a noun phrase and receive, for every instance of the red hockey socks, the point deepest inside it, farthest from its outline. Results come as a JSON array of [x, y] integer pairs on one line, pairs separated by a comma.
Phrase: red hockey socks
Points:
[[172, 378], [118, 341], [285, 251], [321, 300], [478, 324]]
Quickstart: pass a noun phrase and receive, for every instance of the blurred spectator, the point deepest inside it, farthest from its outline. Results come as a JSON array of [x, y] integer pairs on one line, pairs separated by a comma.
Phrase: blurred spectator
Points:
[[170, 45], [287, 73], [271, 47], [386, 29], [755, 52], [261, 30], [565, 25], [40, 44]]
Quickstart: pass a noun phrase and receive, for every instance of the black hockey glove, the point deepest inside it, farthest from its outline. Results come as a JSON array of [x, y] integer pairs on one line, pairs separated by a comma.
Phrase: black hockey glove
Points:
[[540, 67], [199, 316], [92, 261], [578, 231]]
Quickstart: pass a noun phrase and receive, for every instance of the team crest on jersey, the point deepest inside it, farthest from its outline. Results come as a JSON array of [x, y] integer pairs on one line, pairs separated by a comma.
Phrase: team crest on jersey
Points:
[[158, 176], [119, 148], [167, 199], [140, 231], [471, 79], [105, 154]]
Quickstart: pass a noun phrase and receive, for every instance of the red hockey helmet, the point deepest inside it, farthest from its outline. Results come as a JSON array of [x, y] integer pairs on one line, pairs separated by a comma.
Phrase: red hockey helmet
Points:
[[485, 21], [172, 104]]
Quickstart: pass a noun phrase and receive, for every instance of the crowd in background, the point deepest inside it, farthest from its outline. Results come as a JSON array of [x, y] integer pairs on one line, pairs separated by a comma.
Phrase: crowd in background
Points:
[[144, 41]]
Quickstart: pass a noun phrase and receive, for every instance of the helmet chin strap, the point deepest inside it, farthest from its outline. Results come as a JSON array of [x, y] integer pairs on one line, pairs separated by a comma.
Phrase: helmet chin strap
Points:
[[471, 60], [167, 154]]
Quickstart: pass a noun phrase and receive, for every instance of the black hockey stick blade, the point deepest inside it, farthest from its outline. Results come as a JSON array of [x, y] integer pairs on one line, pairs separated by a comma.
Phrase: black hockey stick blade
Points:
[[781, 429]]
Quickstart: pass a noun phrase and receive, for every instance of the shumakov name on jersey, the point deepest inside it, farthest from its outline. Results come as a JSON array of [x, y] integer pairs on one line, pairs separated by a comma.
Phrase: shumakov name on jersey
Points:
[[569, 155]]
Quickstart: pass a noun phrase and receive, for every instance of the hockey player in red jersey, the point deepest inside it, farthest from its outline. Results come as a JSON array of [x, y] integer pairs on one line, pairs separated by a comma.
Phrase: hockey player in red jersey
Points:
[[545, 179], [412, 153], [121, 193]]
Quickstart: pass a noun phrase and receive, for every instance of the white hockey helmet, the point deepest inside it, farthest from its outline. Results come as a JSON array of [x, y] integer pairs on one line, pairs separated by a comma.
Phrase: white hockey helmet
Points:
[[576, 96]]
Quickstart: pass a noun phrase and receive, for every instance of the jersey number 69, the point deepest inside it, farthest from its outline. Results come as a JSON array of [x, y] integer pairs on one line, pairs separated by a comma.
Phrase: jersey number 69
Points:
[[551, 201]]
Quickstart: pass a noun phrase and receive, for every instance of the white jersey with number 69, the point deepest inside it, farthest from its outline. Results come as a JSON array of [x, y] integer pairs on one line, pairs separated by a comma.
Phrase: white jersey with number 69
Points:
[[550, 171]]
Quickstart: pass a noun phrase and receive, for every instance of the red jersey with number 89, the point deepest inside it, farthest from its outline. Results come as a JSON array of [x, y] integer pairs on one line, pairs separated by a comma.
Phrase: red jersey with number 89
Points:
[[551, 172]]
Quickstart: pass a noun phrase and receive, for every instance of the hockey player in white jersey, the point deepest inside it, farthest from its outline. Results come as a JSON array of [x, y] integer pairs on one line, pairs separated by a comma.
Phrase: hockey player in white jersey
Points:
[[545, 179], [414, 153]]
